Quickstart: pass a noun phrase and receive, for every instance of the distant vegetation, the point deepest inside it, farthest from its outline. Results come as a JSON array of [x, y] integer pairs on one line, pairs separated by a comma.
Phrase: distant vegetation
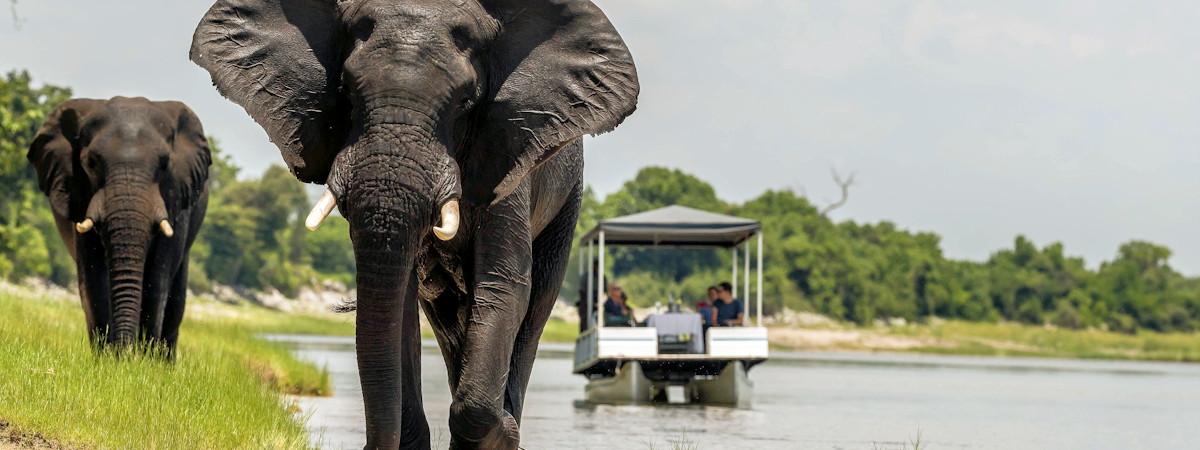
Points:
[[856, 272], [861, 272], [254, 235]]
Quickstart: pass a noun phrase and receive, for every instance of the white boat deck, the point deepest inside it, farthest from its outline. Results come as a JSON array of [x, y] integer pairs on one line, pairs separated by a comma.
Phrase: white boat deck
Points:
[[606, 344]]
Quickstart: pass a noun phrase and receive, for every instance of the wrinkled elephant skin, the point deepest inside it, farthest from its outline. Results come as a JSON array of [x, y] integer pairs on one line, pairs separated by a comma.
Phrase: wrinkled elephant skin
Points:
[[448, 134]]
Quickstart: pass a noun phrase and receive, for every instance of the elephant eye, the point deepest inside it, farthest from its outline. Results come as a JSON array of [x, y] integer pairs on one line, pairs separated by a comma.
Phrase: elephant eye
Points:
[[362, 27], [462, 37]]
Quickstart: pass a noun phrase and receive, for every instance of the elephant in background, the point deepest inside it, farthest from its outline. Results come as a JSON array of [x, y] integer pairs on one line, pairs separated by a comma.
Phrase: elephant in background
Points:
[[127, 183], [424, 118]]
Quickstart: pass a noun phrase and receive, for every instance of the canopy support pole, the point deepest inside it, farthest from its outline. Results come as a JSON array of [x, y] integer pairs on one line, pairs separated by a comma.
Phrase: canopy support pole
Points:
[[759, 291], [733, 281], [600, 287], [589, 321], [746, 283]]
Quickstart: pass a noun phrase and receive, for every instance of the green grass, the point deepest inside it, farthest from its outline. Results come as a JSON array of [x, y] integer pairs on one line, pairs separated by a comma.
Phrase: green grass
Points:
[[560, 331], [258, 319], [262, 320], [223, 391]]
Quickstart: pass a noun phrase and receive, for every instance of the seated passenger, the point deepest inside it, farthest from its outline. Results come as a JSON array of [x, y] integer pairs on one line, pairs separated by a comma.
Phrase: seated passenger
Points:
[[727, 311], [616, 309], [704, 307]]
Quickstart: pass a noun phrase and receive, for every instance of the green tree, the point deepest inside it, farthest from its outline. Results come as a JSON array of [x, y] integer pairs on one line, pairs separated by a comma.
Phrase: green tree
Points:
[[860, 272], [330, 250], [29, 241]]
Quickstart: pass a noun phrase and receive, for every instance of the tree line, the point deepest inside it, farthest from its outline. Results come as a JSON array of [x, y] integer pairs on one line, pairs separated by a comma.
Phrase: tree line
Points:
[[253, 237], [860, 272]]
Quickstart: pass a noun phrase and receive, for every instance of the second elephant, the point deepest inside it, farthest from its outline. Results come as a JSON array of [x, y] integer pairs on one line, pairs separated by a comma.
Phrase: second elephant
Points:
[[126, 179]]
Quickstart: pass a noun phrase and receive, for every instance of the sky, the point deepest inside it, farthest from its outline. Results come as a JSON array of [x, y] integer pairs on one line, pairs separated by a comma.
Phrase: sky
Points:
[[1076, 122]]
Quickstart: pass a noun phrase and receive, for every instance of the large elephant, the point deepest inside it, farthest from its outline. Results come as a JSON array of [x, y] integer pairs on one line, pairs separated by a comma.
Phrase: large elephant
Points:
[[126, 179], [424, 117]]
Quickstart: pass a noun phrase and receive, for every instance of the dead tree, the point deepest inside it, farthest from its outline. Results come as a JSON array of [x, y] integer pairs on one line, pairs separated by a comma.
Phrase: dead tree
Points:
[[12, 8], [844, 184]]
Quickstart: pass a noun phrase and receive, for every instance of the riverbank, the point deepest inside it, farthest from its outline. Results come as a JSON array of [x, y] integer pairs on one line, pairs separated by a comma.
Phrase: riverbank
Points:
[[814, 332], [818, 333], [990, 339], [225, 390]]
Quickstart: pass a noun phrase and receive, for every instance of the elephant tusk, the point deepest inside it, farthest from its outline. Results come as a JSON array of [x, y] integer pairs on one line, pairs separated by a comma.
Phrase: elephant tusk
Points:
[[85, 226], [165, 226], [320, 211], [449, 226]]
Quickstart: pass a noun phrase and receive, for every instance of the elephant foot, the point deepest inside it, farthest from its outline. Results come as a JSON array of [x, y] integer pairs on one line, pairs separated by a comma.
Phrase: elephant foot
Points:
[[415, 439], [482, 428]]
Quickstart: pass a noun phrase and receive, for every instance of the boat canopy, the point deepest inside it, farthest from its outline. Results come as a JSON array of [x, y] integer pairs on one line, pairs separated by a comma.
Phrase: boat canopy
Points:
[[675, 226]]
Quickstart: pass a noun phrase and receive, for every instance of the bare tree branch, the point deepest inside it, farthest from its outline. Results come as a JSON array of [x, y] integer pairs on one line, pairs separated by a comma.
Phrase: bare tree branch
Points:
[[844, 184], [800, 190], [12, 8]]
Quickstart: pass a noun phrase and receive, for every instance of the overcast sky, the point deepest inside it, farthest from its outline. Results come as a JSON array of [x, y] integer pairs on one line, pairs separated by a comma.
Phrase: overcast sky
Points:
[[1076, 122]]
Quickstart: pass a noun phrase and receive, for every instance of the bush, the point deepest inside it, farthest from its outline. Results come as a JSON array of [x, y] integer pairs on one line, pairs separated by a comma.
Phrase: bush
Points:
[[1122, 323], [26, 251], [281, 274], [330, 250], [1066, 316]]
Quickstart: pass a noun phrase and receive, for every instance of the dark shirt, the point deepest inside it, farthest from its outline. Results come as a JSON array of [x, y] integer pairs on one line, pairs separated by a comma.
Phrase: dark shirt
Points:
[[615, 315], [727, 311]]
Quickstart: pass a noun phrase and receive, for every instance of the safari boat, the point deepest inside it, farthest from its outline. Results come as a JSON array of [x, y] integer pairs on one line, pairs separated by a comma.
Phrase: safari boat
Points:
[[670, 357]]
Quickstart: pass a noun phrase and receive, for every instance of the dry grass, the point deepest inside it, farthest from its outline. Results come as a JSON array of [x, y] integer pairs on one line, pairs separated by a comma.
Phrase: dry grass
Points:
[[993, 339]]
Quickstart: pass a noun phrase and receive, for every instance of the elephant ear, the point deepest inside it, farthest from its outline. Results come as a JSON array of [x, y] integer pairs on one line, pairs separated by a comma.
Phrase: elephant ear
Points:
[[190, 155], [562, 71], [54, 155], [280, 60]]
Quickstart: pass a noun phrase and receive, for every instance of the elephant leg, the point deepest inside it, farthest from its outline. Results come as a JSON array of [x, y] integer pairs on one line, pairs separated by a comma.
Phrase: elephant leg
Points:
[[413, 423], [92, 269], [503, 260], [156, 291], [172, 316], [551, 251]]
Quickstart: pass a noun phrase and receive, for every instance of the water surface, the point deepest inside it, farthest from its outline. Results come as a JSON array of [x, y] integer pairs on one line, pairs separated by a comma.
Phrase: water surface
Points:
[[826, 401]]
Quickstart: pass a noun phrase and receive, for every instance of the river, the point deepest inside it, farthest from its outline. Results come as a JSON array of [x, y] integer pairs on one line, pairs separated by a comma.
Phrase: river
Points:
[[825, 401]]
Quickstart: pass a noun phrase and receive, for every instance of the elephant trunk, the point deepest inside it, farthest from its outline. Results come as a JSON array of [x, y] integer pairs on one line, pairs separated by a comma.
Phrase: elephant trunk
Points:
[[390, 186], [133, 207], [384, 261]]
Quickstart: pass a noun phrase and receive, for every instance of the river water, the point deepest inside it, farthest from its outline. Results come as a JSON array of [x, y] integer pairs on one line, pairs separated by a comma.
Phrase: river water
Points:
[[825, 401]]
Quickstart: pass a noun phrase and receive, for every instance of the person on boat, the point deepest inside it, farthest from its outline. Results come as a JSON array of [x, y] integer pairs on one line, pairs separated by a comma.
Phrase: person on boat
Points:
[[704, 307], [617, 312], [727, 311]]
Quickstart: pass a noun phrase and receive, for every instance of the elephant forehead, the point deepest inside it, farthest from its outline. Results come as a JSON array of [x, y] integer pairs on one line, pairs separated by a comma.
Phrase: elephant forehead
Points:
[[133, 119], [128, 133], [438, 19]]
